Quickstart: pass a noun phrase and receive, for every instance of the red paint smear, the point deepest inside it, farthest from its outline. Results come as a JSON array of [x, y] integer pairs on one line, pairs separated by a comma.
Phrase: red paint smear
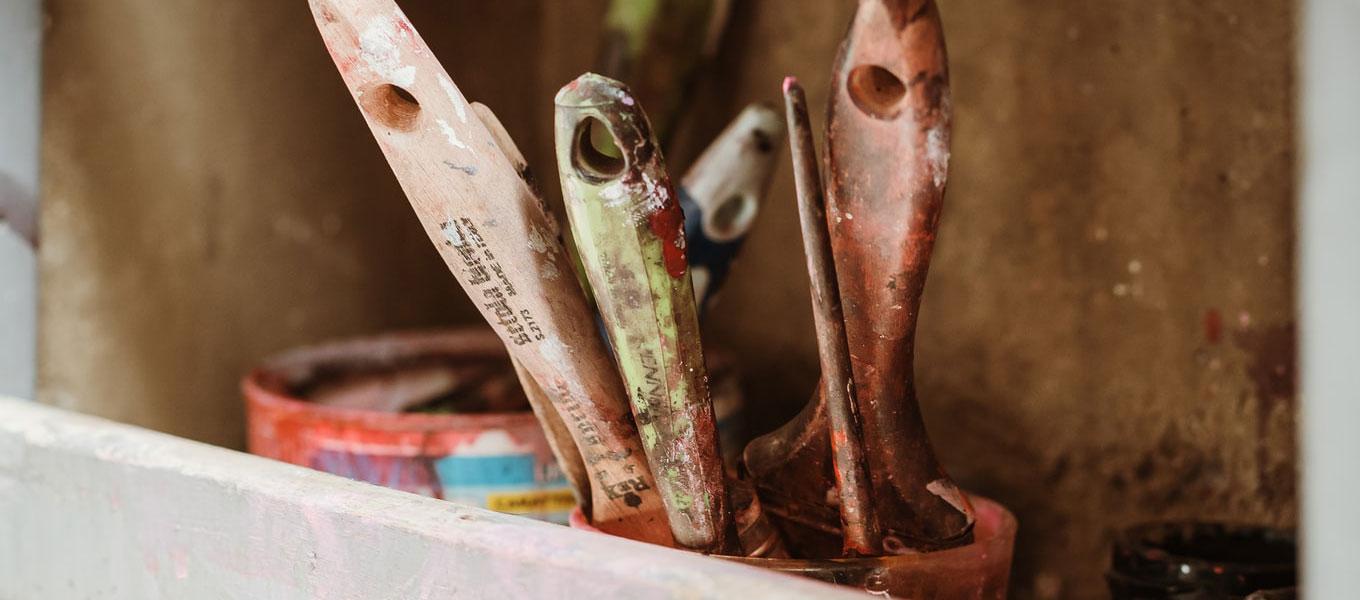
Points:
[[1213, 326], [668, 225], [404, 25]]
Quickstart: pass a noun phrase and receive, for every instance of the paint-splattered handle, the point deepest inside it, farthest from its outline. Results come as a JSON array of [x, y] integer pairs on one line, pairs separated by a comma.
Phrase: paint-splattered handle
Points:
[[629, 230], [496, 237], [888, 130]]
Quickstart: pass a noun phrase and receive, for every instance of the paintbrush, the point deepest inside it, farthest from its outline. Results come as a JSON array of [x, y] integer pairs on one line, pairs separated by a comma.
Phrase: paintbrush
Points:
[[659, 48], [890, 97], [887, 158], [629, 231], [503, 246], [559, 437], [721, 194], [563, 446], [860, 531]]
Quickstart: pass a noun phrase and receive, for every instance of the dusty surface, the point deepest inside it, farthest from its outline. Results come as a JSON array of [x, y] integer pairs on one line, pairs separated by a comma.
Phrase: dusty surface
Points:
[[1106, 334], [93, 509]]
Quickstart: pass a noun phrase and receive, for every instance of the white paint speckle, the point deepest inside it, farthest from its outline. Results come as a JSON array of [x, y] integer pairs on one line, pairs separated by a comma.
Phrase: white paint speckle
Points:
[[1121, 289], [937, 154], [653, 198], [451, 135], [614, 194], [556, 354], [459, 106], [541, 243], [947, 491], [380, 52], [1135, 267], [537, 242], [453, 234], [549, 271]]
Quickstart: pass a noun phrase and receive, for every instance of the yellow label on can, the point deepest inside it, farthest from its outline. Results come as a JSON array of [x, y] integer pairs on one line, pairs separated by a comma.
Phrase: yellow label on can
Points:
[[537, 501]]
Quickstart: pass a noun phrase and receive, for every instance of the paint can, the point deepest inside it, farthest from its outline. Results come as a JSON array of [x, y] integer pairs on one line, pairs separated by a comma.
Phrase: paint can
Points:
[[433, 413], [978, 571], [1199, 559]]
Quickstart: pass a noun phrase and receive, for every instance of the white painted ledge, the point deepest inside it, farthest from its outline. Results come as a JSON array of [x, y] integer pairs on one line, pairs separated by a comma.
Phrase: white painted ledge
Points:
[[95, 509]]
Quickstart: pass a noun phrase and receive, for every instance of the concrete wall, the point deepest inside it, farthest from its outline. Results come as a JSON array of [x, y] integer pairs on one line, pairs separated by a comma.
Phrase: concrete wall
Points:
[[1108, 332], [93, 509], [20, 45]]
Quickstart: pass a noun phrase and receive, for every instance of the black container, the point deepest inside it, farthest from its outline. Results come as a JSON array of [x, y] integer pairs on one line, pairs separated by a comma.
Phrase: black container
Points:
[[1201, 561]]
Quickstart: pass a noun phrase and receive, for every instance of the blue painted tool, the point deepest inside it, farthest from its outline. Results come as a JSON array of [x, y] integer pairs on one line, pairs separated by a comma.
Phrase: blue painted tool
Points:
[[721, 195]]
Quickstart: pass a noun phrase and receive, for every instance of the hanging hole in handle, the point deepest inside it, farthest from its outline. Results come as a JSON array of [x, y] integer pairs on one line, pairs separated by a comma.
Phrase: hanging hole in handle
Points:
[[596, 151], [392, 106], [876, 91], [732, 218]]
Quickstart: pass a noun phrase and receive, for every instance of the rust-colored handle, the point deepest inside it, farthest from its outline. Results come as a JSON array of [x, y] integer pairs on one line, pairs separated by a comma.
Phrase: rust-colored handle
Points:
[[888, 131], [860, 532]]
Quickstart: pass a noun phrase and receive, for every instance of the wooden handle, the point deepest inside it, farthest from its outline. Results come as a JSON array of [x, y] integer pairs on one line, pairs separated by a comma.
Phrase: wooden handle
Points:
[[861, 534], [498, 240], [559, 438], [888, 131], [628, 229], [558, 434]]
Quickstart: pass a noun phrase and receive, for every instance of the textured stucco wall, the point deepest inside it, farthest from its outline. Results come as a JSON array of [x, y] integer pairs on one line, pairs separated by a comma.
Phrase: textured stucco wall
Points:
[[1107, 334]]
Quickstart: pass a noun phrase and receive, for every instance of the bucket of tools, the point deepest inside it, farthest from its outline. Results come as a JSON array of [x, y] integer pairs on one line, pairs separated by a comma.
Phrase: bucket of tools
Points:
[[439, 414], [850, 491], [977, 570]]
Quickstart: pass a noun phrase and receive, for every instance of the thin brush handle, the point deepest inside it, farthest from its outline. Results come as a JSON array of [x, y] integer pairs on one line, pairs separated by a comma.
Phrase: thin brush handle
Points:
[[494, 233], [627, 227], [861, 533]]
